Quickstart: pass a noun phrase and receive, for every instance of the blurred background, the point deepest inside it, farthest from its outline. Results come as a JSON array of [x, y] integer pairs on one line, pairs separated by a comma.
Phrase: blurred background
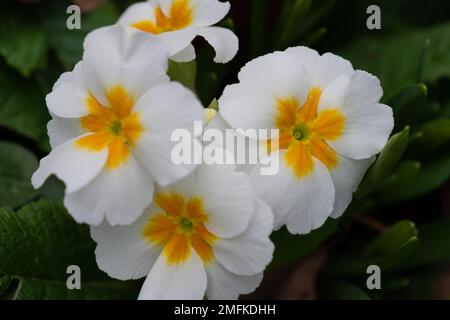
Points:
[[400, 216]]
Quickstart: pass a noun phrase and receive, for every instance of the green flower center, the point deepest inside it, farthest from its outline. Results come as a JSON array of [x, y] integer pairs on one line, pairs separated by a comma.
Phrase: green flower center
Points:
[[186, 224], [116, 128], [300, 132]]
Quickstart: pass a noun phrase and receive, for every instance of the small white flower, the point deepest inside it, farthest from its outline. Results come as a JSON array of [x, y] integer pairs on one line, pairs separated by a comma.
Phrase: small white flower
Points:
[[178, 22], [207, 234], [331, 125], [113, 116]]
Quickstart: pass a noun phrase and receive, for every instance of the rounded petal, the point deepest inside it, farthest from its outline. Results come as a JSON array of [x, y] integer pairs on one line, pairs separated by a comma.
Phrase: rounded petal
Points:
[[69, 94], [295, 201], [321, 69], [171, 281], [137, 12], [252, 102], [122, 251], [228, 198], [209, 12], [185, 55], [61, 130], [224, 42], [224, 285], [178, 40], [164, 109], [250, 252], [122, 56], [346, 178], [75, 166], [120, 195]]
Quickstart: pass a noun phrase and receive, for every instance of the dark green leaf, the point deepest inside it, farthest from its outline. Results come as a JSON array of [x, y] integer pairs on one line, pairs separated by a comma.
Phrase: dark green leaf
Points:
[[431, 136], [343, 290], [16, 167], [183, 72]]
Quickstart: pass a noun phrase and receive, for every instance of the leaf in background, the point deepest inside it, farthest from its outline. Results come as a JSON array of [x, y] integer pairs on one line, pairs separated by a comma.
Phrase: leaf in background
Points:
[[388, 158], [23, 40], [342, 290], [183, 72], [289, 247], [383, 57], [430, 137], [68, 44], [40, 241], [5, 281], [22, 106], [17, 164]]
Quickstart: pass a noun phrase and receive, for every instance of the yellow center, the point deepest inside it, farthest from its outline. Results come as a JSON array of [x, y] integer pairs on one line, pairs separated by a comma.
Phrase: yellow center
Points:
[[179, 228], [180, 17], [304, 132], [115, 127]]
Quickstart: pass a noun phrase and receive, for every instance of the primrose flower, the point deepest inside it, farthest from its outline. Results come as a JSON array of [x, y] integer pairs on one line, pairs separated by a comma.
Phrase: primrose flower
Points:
[[207, 234], [113, 116], [178, 22], [330, 123]]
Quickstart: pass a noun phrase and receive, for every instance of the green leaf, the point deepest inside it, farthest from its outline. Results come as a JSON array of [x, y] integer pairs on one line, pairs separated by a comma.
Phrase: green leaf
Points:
[[39, 242], [5, 281], [16, 167], [381, 56], [23, 40], [214, 105], [183, 72], [68, 44], [289, 247], [388, 158], [22, 107], [342, 290], [297, 12], [431, 136], [393, 238]]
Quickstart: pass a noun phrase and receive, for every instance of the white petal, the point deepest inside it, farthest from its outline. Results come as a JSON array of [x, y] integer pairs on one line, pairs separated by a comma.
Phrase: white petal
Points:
[[183, 281], [228, 198], [224, 285], [322, 70], [185, 55], [122, 251], [250, 252], [75, 166], [120, 195], [137, 12], [69, 94], [252, 102], [178, 40], [224, 42], [61, 130], [346, 178], [122, 56], [209, 12], [302, 204], [163, 109]]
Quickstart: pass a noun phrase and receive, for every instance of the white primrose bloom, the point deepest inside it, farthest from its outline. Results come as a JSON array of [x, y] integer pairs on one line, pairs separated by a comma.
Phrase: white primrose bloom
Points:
[[178, 22], [207, 234], [331, 125], [112, 119]]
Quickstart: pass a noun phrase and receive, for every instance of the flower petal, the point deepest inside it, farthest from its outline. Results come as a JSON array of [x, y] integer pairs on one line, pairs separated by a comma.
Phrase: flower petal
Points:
[[164, 109], [122, 56], [185, 55], [346, 178], [294, 201], [122, 251], [69, 94], [250, 252], [209, 12], [120, 195], [224, 285], [224, 42], [75, 166], [61, 130], [139, 11], [183, 281], [178, 40]]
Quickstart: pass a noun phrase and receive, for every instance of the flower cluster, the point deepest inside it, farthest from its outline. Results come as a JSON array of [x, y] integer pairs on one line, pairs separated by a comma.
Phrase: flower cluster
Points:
[[203, 230]]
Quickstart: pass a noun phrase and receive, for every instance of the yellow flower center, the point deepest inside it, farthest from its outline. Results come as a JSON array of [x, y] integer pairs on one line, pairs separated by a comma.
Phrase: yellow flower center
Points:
[[179, 228], [304, 132], [180, 17], [115, 126]]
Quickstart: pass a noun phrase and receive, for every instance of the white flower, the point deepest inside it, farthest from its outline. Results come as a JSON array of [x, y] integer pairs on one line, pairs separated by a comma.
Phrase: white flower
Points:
[[207, 234], [178, 22], [331, 125], [113, 116]]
